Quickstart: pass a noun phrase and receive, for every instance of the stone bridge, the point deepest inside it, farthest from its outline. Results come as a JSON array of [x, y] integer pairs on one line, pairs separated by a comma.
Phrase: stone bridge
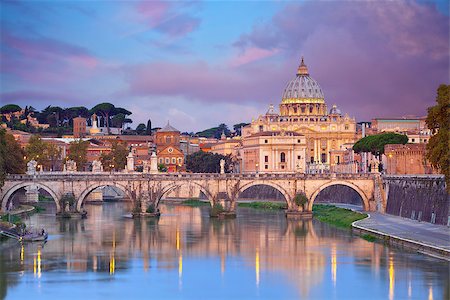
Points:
[[148, 189]]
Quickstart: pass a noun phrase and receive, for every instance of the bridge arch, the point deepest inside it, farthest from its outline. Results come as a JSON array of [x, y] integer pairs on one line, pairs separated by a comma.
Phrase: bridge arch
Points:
[[286, 195], [170, 187], [94, 186], [365, 199], [17, 187]]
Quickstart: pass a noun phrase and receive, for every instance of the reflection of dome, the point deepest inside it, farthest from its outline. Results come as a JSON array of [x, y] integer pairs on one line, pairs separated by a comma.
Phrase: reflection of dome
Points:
[[335, 111], [303, 89]]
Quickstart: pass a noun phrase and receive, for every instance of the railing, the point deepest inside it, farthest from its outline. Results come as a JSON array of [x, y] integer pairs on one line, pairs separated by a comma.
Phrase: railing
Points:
[[174, 176]]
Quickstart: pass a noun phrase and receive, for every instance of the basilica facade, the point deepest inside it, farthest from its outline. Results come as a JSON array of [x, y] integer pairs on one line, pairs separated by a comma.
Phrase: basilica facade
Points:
[[302, 136]]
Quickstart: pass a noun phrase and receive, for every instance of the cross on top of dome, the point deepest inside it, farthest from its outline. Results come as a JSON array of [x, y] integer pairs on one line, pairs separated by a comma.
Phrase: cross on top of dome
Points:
[[302, 69]]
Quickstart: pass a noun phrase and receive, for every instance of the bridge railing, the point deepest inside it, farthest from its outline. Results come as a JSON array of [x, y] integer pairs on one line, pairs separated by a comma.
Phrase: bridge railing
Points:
[[168, 176]]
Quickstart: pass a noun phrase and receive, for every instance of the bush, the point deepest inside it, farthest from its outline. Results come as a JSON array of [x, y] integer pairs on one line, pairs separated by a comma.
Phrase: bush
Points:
[[340, 217], [264, 205], [301, 200], [151, 209], [195, 202], [216, 209]]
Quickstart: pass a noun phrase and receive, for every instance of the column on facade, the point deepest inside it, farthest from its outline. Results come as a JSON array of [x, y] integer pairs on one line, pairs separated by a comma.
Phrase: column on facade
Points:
[[316, 150], [328, 152]]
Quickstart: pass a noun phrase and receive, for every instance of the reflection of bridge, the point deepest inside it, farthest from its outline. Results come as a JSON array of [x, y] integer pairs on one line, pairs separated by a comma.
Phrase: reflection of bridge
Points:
[[222, 188]]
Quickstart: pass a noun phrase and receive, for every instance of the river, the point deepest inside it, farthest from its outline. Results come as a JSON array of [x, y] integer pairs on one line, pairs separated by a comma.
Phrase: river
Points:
[[187, 255]]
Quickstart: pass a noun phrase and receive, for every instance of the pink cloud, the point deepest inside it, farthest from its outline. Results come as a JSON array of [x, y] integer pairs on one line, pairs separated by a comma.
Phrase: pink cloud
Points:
[[170, 18], [206, 83], [252, 54]]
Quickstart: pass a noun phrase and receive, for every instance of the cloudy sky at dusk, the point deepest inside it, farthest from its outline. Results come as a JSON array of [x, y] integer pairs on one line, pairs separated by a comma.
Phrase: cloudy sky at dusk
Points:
[[198, 64]]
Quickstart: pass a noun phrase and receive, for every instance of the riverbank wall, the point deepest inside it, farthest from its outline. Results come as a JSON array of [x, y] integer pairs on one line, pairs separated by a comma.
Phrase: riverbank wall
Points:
[[417, 197]]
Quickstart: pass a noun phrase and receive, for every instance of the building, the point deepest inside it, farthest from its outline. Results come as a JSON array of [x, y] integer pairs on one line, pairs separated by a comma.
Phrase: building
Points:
[[273, 151], [168, 148], [303, 111], [79, 127], [226, 146], [414, 127], [407, 159]]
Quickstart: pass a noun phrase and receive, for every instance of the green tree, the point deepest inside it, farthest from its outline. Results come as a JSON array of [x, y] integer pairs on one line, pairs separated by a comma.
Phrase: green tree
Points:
[[108, 110], [438, 121], [148, 130], [162, 168], [10, 108], [140, 129], [105, 110], [116, 159], [238, 127], [78, 153], [45, 154], [375, 143], [206, 162], [36, 150], [11, 156]]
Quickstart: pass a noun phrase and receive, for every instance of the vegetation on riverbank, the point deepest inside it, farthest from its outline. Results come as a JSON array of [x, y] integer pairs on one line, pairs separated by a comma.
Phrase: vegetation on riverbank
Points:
[[195, 202], [264, 205], [339, 217], [369, 237]]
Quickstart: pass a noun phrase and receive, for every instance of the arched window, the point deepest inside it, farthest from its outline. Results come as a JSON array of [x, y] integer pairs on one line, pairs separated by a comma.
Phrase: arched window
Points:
[[282, 157]]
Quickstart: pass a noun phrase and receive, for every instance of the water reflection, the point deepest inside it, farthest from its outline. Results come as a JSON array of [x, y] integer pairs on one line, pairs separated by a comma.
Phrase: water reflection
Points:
[[253, 256]]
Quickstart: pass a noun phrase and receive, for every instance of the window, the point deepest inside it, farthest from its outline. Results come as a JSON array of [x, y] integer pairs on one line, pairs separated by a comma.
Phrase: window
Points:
[[167, 161], [310, 109], [261, 128], [180, 160], [338, 160], [312, 159], [299, 157], [168, 139], [346, 126], [266, 158], [282, 167], [174, 160], [282, 157], [299, 141], [413, 140], [266, 141], [323, 157], [161, 161], [266, 167]]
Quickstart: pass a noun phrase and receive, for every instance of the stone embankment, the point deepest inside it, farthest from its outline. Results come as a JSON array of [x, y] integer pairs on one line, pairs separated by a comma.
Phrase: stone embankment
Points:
[[422, 237], [418, 197]]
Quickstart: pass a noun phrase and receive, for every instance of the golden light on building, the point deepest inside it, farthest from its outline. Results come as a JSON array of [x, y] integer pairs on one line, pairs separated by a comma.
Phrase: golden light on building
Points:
[[257, 266], [391, 278]]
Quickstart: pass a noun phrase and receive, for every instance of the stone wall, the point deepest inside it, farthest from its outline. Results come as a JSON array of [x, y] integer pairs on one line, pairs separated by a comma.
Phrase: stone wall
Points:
[[422, 198]]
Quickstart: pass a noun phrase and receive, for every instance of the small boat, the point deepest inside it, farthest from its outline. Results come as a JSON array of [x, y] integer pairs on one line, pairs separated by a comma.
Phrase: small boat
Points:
[[34, 237], [27, 236]]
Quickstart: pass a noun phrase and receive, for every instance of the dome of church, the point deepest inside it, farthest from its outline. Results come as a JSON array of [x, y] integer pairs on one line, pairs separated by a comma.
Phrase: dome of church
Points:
[[303, 89]]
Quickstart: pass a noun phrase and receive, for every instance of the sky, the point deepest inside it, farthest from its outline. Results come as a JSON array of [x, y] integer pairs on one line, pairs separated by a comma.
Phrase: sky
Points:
[[202, 63]]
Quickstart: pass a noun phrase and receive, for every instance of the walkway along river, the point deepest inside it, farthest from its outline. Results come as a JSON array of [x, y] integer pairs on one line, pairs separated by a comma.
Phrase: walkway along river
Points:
[[186, 254]]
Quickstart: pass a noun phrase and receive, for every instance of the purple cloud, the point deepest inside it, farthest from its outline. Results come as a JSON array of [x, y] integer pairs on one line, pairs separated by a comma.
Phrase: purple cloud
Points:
[[43, 60], [372, 59], [169, 18]]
